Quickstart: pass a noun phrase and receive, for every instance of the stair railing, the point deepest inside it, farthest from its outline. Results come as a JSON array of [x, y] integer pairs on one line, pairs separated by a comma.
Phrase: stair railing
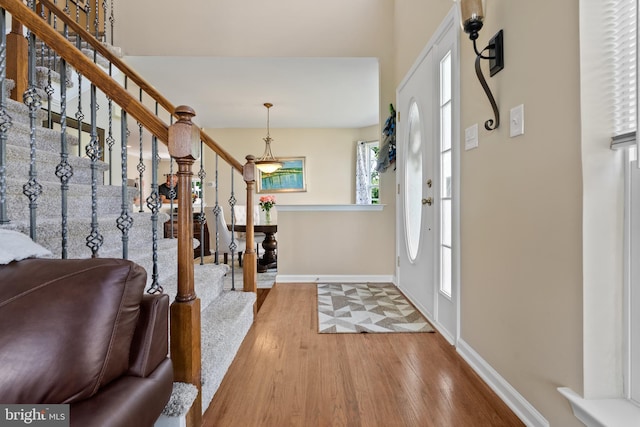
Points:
[[185, 310]]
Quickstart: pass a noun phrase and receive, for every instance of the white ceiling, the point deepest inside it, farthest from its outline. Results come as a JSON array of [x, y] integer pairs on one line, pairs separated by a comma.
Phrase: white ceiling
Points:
[[230, 92]]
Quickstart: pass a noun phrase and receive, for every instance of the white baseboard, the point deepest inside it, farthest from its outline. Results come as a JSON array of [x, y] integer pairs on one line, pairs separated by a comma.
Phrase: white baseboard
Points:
[[518, 404], [329, 278]]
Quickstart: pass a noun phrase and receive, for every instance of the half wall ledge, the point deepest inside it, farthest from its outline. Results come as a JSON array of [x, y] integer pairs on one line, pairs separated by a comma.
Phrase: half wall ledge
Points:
[[330, 208]]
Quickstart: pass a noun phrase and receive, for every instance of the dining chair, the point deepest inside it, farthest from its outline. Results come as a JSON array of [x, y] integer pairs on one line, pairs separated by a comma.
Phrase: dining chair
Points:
[[240, 215], [219, 224]]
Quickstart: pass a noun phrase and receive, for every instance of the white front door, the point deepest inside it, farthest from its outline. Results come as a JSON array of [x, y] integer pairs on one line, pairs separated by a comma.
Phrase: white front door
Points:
[[427, 175]]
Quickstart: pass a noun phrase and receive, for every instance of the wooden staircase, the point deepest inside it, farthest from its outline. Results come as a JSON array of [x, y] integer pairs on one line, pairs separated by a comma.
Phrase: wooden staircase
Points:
[[208, 323]]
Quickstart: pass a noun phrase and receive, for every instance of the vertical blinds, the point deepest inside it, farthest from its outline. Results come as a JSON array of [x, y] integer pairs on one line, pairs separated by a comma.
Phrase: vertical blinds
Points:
[[621, 25]]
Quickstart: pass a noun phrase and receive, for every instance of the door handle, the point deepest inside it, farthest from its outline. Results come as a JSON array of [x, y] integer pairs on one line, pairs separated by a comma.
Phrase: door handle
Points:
[[427, 201]]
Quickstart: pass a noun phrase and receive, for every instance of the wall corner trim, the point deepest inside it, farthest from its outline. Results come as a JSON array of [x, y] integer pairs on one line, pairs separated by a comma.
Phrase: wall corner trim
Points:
[[509, 395]]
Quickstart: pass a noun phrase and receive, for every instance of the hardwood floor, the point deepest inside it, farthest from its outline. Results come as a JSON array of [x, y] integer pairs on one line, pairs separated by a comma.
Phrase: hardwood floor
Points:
[[286, 374]]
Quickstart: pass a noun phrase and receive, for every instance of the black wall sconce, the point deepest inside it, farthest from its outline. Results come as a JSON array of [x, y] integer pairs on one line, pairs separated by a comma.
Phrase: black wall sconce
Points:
[[472, 17]]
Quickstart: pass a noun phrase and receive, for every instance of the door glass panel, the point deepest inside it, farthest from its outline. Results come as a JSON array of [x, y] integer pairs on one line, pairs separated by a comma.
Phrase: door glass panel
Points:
[[445, 271], [413, 182], [445, 123], [446, 222], [445, 174], [445, 79]]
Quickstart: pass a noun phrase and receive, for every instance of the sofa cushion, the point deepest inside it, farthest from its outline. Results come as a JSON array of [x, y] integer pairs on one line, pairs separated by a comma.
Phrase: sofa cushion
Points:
[[150, 344], [67, 326]]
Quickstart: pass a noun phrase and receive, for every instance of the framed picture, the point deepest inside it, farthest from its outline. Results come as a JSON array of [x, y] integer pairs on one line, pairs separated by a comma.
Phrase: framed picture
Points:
[[291, 177]]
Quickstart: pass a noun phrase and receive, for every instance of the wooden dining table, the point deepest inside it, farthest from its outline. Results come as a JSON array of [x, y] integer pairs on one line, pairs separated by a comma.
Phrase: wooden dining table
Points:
[[270, 244]]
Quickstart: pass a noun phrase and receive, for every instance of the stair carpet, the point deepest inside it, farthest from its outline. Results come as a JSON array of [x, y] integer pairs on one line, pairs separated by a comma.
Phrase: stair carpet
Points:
[[226, 315]]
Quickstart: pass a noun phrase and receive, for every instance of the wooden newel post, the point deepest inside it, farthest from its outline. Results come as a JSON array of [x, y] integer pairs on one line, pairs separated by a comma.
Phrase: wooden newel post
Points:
[[250, 257], [17, 60], [186, 355]]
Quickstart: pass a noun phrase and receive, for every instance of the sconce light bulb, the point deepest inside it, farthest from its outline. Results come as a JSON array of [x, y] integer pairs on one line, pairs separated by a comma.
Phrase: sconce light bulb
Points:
[[472, 27]]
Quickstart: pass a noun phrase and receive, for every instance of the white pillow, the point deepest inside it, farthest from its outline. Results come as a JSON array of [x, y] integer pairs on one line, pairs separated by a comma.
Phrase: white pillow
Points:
[[15, 246]]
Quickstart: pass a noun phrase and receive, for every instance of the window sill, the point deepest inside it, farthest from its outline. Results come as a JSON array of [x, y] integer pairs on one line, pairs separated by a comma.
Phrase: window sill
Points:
[[602, 412], [325, 208]]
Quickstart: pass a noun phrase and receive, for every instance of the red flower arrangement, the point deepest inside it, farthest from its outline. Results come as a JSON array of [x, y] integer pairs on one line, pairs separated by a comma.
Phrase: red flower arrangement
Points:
[[267, 202]]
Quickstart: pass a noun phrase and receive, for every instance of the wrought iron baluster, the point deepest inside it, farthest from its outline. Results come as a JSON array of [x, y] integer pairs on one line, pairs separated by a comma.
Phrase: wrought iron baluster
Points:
[[153, 203], [64, 170], [96, 20], [201, 218], [141, 166], [233, 246], [32, 189], [5, 119], [172, 193], [104, 21], [94, 151], [216, 211], [87, 11], [124, 221], [45, 55], [111, 20], [79, 114], [110, 139]]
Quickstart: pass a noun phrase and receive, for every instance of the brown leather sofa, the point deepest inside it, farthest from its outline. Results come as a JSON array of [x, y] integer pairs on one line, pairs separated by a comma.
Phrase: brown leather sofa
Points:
[[83, 332]]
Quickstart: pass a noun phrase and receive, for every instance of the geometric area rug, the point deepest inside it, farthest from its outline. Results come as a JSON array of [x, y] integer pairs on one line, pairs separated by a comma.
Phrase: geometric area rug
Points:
[[366, 308]]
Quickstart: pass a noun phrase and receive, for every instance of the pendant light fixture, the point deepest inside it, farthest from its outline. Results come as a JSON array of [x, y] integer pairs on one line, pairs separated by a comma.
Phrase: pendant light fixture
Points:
[[267, 163]]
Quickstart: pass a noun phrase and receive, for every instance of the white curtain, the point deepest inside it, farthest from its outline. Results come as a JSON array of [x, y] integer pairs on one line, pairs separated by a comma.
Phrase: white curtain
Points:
[[363, 195]]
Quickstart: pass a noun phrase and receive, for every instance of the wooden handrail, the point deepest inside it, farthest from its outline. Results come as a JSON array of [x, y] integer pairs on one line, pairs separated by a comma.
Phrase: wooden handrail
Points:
[[136, 78], [86, 67]]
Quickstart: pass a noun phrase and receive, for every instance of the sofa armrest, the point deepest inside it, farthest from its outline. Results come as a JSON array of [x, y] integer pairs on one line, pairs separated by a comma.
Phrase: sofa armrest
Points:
[[150, 341]]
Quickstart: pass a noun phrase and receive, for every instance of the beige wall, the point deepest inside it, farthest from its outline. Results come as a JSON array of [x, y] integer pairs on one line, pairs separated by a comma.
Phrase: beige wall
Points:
[[256, 28], [521, 198], [304, 248], [330, 160], [361, 28], [329, 243]]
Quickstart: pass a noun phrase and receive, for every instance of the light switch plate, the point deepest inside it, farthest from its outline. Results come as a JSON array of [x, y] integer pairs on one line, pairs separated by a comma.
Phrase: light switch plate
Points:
[[516, 121], [471, 137]]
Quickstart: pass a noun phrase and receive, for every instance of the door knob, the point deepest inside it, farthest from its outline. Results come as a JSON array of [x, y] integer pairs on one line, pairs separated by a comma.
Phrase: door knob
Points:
[[427, 201]]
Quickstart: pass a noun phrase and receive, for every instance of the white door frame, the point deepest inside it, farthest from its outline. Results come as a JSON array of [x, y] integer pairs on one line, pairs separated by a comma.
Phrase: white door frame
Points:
[[451, 333]]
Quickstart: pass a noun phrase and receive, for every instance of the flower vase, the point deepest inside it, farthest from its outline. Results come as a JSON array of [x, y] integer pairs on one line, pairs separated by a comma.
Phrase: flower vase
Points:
[[267, 217]]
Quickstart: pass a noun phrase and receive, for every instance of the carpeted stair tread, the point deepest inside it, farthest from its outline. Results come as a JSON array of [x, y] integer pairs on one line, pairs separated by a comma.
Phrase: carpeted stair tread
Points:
[[182, 397], [79, 200], [47, 162], [208, 279], [46, 139], [19, 112], [49, 71], [225, 323], [48, 234]]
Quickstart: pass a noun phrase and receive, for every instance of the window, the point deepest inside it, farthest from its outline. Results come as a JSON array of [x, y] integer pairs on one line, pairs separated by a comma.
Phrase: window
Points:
[[445, 174], [632, 287], [622, 54], [367, 177], [623, 48]]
